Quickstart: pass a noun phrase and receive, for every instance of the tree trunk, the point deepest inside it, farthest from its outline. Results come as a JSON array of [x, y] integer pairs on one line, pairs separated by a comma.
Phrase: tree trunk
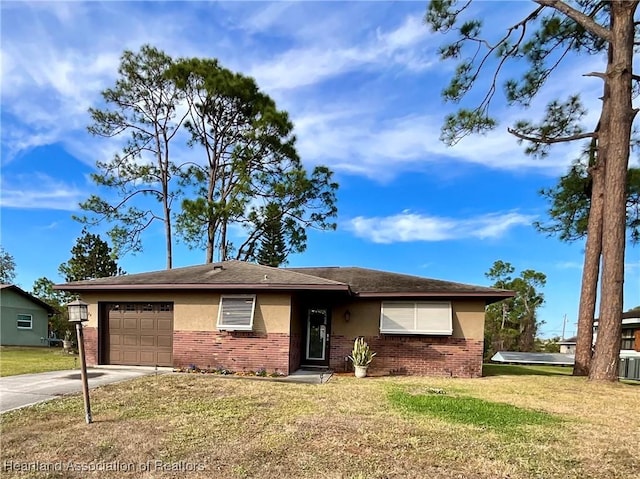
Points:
[[590, 272], [593, 247], [223, 239], [211, 235], [604, 366], [167, 223], [167, 230]]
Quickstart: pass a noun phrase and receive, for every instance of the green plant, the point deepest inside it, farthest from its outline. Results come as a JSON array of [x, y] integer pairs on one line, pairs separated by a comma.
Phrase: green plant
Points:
[[361, 354]]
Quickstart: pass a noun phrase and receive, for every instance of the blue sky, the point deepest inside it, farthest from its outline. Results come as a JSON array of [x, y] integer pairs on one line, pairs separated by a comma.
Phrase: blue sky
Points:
[[362, 84]]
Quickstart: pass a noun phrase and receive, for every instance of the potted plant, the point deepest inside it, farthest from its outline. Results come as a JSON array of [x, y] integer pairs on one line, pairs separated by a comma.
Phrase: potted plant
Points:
[[67, 344], [361, 356]]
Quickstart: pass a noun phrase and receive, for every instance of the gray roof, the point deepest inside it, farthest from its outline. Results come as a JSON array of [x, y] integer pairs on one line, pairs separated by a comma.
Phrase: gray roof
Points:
[[370, 282], [533, 358], [30, 297], [571, 340], [241, 275], [223, 275]]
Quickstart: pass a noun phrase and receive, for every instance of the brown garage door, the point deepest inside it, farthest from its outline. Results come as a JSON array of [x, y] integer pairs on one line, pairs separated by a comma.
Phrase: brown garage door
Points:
[[140, 334]]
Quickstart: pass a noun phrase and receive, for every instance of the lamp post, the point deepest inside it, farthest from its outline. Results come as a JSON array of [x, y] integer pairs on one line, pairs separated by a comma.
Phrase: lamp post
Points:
[[79, 313]]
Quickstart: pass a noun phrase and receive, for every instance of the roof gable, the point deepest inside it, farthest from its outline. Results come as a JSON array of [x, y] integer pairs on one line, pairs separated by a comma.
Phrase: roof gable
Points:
[[30, 297], [224, 275]]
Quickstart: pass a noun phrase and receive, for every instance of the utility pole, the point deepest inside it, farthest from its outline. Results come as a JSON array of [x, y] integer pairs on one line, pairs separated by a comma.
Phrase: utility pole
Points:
[[564, 324]]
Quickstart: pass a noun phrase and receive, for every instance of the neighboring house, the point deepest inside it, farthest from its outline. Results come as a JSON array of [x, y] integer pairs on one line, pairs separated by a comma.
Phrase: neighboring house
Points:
[[568, 346], [630, 340], [243, 316], [24, 319], [629, 344]]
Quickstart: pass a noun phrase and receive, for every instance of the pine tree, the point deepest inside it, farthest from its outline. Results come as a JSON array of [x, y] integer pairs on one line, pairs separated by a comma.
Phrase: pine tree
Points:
[[273, 248], [91, 257], [7, 267], [540, 40]]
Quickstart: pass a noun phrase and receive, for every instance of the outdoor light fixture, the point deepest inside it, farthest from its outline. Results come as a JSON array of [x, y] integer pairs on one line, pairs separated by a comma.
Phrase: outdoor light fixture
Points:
[[347, 315], [79, 313]]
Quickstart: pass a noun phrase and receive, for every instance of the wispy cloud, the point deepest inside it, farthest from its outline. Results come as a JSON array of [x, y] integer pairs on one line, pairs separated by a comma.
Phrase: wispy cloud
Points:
[[632, 265], [39, 191], [51, 75], [357, 143], [407, 227], [308, 65], [569, 265]]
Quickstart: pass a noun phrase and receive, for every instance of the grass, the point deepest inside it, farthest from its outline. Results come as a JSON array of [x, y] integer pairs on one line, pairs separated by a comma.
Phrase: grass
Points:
[[470, 410], [494, 427], [25, 360], [535, 370], [522, 370]]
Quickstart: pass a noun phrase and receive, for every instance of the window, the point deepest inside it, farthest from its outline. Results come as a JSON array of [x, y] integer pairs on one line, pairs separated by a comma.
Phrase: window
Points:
[[400, 317], [236, 313], [628, 339], [25, 321]]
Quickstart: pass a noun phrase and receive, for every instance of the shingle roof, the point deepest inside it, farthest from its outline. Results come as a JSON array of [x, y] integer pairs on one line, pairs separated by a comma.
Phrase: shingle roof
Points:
[[30, 297], [224, 275], [242, 276], [370, 282]]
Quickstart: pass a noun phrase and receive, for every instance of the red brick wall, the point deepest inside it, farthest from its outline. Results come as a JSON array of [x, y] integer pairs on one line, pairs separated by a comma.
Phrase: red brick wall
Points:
[[236, 351], [90, 345], [420, 355], [295, 347]]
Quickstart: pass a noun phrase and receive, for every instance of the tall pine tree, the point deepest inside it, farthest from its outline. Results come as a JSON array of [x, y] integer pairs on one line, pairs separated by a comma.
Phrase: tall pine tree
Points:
[[539, 41], [273, 247], [91, 257]]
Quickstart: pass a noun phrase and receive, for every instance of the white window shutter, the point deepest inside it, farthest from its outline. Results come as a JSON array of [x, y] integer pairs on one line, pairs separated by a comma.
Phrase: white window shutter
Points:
[[407, 317], [398, 317], [434, 318], [236, 313]]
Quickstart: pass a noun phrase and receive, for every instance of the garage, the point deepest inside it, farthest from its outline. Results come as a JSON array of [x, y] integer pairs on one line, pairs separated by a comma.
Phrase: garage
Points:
[[139, 334]]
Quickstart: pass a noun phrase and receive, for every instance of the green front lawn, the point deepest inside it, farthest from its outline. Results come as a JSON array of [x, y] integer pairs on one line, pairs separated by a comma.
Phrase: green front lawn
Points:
[[25, 360], [490, 369], [204, 426]]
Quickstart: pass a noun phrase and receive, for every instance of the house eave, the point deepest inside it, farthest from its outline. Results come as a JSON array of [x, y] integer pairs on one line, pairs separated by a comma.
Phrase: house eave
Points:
[[204, 287], [50, 309], [497, 296]]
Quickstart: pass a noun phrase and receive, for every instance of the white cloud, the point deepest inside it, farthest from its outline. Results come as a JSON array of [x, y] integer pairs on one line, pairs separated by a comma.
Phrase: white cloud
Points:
[[355, 142], [51, 75], [408, 227], [569, 265], [632, 265], [308, 65], [40, 191]]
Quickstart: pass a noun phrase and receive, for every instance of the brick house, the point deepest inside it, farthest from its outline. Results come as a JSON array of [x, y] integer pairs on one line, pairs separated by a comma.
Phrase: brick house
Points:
[[243, 316]]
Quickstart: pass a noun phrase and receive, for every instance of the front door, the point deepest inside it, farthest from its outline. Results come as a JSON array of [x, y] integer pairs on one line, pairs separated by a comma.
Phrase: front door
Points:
[[317, 337]]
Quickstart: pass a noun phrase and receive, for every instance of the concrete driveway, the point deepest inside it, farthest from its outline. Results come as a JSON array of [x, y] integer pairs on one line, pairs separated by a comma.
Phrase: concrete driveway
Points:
[[27, 389]]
